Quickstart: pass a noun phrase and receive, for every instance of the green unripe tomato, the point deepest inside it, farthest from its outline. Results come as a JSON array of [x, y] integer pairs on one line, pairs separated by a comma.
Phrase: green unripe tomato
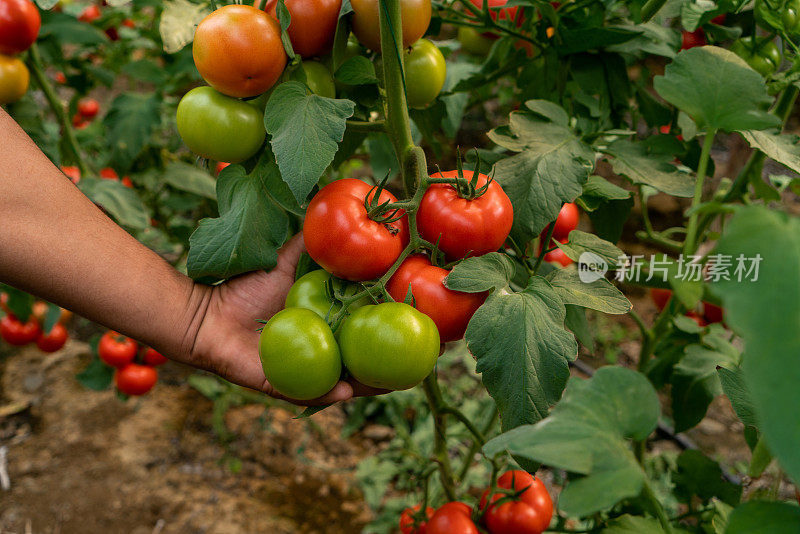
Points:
[[474, 42], [309, 292], [791, 17], [219, 127], [425, 73], [317, 77], [764, 58], [299, 354], [389, 346]]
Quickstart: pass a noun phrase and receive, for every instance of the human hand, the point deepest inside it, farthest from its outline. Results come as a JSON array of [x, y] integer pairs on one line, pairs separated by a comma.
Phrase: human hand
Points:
[[226, 342]]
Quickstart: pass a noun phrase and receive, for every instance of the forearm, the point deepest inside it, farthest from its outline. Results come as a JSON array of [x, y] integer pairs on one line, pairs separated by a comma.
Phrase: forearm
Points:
[[58, 245]]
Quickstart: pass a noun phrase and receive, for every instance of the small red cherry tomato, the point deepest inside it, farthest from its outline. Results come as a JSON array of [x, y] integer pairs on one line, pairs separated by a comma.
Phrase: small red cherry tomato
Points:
[[135, 379]]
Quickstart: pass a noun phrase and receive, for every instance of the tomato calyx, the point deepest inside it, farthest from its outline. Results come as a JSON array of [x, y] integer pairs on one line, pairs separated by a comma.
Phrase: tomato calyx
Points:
[[386, 212], [465, 188]]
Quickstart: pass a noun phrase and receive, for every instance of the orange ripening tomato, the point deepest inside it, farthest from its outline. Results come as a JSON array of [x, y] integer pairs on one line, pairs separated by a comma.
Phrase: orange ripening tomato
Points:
[[313, 24], [415, 14], [14, 79], [450, 310], [238, 50]]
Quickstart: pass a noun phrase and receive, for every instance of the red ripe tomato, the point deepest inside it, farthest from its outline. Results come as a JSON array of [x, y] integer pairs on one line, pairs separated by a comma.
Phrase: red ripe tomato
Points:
[[17, 333], [126, 181], [530, 513], [220, 166], [450, 310], [116, 350], [153, 358], [566, 222], [135, 379], [54, 340], [79, 122], [313, 24], [712, 313], [660, 297], [465, 227], [90, 14], [452, 518], [72, 172], [109, 174], [238, 50], [410, 521], [693, 39], [19, 25], [343, 240], [497, 11], [558, 256], [128, 23], [60, 77], [88, 108], [719, 19]]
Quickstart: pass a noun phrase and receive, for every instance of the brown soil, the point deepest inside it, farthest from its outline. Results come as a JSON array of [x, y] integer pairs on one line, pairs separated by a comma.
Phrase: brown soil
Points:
[[82, 461]]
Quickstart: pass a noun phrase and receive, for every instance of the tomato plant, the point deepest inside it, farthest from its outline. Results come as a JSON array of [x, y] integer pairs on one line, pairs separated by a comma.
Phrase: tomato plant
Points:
[[117, 350], [342, 238], [389, 346], [315, 365], [237, 50], [134, 379], [19, 25]]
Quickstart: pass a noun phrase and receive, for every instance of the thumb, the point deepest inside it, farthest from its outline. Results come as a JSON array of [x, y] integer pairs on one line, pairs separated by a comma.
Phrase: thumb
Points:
[[289, 254]]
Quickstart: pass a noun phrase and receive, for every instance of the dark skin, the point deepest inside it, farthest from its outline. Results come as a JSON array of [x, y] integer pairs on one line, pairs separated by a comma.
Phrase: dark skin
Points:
[[56, 244]]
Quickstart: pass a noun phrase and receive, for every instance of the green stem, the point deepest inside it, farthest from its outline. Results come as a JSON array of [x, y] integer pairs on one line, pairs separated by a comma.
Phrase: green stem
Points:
[[648, 493], [692, 237], [544, 246], [475, 447], [464, 420], [37, 70], [366, 126], [398, 123], [435, 402], [651, 8]]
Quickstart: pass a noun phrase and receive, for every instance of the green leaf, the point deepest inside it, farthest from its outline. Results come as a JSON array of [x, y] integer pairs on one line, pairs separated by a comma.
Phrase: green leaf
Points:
[[250, 229], [783, 148], [641, 166], [51, 318], [597, 189], [131, 121], [122, 203], [695, 383], [179, 19], [69, 30], [735, 388], [476, 275], [630, 524], [550, 169], [587, 434], [700, 476], [146, 70], [305, 130], [583, 242], [583, 39], [758, 517], [609, 218], [578, 325], [599, 295], [357, 70], [210, 387], [717, 89], [522, 350], [97, 376], [766, 314], [189, 178]]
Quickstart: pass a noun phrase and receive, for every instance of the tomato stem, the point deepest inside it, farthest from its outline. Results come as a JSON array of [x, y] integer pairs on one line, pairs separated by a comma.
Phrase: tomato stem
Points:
[[647, 492], [435, 402], [37, 70], [651, 8], [692, 237], [366, 126], [543, 247]]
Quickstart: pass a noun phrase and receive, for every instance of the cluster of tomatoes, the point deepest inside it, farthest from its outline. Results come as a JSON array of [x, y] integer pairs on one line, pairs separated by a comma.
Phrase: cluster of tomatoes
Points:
[[135, 366], [88, 108], [18, 333], [519, 505], [238, 51], [355, 235], [19, 26], [708, 314], [107, 173]]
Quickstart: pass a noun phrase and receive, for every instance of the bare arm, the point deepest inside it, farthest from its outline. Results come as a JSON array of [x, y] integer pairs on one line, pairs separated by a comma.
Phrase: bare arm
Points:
[[56, 244]]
